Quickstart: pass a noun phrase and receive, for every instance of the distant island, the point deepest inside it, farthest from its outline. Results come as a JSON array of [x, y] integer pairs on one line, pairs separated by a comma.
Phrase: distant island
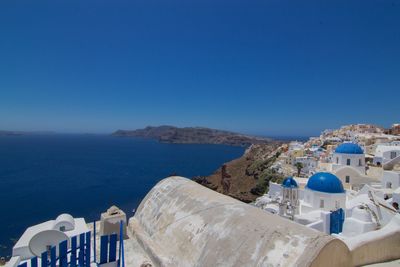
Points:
[[193, 135], [8, 133], [18, 133]]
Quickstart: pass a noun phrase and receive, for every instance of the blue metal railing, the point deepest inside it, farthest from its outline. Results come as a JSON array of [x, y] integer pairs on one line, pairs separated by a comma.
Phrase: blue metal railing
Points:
[[80, 256]]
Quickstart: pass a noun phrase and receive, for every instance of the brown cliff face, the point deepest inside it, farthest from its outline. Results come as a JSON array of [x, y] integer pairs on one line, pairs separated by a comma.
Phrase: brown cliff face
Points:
[[247, 177]]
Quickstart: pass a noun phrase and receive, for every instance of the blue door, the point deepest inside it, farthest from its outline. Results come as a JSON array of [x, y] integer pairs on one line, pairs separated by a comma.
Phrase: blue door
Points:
[[337, 219]]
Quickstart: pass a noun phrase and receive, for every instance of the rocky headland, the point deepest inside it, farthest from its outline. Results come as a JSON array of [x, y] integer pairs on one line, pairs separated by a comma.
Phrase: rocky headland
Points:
[[245, 178], [193, 135]]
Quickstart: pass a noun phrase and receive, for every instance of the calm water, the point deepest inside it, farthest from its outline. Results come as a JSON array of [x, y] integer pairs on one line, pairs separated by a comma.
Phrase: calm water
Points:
[[43, 176]]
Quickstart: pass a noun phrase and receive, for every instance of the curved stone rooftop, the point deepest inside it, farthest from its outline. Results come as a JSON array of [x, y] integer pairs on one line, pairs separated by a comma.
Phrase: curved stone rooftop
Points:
[[181, 223], [325, 182], [349, 148], [289, 182]]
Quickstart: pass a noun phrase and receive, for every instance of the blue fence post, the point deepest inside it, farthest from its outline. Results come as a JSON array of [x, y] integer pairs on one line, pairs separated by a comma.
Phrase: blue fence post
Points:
[[63, 250], [94, 242], [44, 259], [87, 249], [74, 246], [341, 220], [53, 256], [81, 257], [121, 262], [34, 262], [103, 249], [113, 248]]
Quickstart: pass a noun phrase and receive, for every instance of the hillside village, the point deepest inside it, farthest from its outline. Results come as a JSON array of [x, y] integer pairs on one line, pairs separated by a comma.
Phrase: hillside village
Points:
[[345, 182]]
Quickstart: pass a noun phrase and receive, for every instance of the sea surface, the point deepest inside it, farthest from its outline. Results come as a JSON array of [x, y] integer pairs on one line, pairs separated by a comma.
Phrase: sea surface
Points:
[[42, 176]]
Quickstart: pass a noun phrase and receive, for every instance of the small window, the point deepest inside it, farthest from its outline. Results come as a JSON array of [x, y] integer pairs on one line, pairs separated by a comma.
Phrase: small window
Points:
[[348, 162], [392, 154], [359, 162], [337, 160], [337, 204], [321, 203], [347, 179], [62, 228], [388, 185]]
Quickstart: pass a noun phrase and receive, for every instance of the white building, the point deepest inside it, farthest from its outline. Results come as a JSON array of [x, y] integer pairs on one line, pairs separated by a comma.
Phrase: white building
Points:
[[289, 204], [324, 191], [309, 164], [40, 237], [349, 154], [294, 145], [386, 152], [348, 163], [391, 179]]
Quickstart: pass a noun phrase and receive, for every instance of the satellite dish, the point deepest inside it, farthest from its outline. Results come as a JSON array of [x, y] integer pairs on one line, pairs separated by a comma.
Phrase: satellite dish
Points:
[[40, 242]]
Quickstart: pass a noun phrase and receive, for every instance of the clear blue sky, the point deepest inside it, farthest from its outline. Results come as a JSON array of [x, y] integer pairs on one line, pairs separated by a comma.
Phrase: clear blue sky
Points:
[[267, 67]]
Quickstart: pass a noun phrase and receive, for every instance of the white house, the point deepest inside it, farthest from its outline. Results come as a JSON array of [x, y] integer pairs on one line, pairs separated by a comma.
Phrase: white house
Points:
[[391, 179], [309, 163], [294, 145], [38, 238], [386, 152]]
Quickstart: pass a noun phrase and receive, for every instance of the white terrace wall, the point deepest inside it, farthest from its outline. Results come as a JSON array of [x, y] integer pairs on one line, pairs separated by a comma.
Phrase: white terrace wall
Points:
[[377, 246]]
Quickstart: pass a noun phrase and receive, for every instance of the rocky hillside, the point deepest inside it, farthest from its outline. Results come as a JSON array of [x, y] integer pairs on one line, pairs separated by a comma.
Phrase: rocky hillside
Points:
[[193, 135], [247, 177]]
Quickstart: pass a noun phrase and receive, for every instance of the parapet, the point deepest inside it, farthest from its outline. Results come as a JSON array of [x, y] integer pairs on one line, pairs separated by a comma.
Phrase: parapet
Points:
[[110, 221]]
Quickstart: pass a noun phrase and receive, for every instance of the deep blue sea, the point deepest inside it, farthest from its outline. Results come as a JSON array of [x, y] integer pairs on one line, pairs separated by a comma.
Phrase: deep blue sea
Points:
[[42, 176]]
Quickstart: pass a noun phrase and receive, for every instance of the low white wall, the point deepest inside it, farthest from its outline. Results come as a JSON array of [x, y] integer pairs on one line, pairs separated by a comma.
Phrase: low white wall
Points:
[[274, 189], [13, 262], [376, 246]]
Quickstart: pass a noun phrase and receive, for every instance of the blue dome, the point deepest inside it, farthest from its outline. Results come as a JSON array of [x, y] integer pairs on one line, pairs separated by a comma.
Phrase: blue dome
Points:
[[325, 182], [349, 148], [289, 182]]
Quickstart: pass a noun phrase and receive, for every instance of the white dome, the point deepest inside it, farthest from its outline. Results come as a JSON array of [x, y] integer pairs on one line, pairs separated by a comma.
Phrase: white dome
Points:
[[64, 222]]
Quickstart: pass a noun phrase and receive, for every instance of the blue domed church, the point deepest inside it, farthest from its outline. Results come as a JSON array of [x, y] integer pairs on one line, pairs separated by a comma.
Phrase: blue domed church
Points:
[[289, 205], [323, 191], [348, 163], [349, 154]]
